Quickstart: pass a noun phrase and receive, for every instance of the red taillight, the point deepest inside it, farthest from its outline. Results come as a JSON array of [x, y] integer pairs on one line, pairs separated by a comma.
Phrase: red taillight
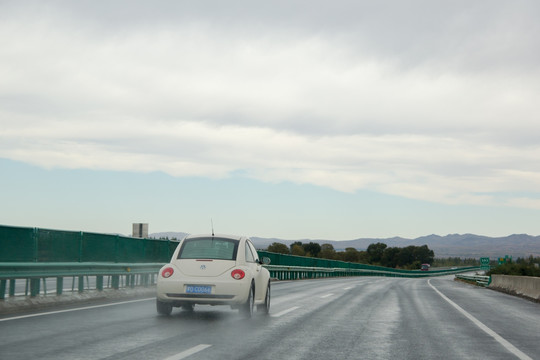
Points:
[[167, 272], [238, 274]]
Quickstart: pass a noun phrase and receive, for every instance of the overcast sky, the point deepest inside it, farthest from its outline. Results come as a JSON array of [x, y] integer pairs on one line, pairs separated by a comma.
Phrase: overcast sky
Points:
[[291, 119]]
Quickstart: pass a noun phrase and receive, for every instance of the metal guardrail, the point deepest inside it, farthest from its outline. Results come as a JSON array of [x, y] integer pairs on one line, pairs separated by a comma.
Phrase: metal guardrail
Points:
[[100, 275], [35, 276], [478, 279], [284, 272], [43, 258]]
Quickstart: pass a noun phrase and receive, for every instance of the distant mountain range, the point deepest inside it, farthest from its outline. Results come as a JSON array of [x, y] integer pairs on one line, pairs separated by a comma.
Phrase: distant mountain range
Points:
[[453, 245]]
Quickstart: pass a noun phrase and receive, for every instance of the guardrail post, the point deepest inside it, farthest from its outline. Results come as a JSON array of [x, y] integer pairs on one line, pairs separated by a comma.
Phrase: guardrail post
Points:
[[99, 283], [81, 284], [11, 287], [3, 289], [115, 282], [59, 285], [34, 287]]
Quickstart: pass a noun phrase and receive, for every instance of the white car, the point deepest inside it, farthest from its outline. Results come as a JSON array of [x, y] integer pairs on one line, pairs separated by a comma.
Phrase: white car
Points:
[[214, 270]]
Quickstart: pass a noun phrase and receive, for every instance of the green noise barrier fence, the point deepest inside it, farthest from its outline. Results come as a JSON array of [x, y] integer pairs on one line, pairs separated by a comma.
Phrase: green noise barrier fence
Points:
[[18, 244], [31, 257]]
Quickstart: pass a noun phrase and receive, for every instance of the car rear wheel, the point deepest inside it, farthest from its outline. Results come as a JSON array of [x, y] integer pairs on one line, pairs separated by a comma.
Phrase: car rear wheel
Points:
[[247, 308], [163, 308], [265, 308]]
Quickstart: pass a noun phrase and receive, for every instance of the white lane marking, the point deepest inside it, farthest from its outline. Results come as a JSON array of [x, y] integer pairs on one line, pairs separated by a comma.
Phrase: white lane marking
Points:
[[279, 314], [325, 296], [76, 309], [483, 327], [348, 288], [188, 352]]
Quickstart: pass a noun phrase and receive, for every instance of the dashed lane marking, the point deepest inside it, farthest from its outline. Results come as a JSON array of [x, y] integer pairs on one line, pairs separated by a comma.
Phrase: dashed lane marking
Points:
[[279, 314], [188, 352]]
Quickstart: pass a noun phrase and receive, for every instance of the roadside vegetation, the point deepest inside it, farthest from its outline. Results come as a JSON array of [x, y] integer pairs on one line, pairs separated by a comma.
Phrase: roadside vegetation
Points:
[[455, 261], [522, 267], [410, 257]]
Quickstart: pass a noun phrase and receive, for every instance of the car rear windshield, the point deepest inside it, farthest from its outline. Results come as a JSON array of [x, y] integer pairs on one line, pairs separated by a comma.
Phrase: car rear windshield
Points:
[[209, 248]]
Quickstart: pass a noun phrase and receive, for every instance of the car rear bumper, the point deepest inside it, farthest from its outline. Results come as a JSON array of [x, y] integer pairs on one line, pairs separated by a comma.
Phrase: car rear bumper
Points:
[[232, 292]]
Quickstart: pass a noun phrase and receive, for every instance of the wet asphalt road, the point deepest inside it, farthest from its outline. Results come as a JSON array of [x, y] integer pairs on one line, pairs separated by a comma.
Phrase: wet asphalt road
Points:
[[348, 318]]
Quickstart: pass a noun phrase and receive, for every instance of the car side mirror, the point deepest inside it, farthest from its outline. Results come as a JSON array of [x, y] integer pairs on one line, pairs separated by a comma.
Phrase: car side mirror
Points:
[[265, 260]]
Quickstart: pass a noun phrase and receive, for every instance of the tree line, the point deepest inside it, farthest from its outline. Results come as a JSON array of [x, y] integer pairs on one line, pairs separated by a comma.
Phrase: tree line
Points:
[[522, 267], [410, 257], [455, 261]]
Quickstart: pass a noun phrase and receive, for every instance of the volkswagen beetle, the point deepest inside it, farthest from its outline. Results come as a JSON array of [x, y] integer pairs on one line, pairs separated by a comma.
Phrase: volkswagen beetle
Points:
[[214, 270]]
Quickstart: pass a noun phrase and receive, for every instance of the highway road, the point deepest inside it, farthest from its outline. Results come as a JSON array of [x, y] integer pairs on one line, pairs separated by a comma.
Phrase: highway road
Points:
[[342, 318]]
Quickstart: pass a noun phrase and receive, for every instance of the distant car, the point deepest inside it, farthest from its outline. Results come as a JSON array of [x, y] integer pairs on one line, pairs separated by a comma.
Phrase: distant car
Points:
[[214, 270], [425, 267]]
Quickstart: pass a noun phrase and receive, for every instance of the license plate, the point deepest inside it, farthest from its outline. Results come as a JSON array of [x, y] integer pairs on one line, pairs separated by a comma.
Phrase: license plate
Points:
[[198, 289]]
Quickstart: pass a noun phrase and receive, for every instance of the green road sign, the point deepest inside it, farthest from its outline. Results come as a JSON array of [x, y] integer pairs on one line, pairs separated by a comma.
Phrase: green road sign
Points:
[[504, 260], [484, 263]]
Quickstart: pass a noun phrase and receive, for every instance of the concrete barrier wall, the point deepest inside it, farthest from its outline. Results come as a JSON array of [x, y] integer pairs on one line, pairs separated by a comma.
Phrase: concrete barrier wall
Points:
[[526, 286]]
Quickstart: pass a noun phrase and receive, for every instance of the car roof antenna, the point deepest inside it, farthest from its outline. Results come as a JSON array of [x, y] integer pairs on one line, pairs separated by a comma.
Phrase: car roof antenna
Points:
[[212, 222]]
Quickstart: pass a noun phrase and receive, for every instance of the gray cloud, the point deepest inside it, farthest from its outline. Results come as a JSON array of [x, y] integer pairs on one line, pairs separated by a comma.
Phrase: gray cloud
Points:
[[428, 100]]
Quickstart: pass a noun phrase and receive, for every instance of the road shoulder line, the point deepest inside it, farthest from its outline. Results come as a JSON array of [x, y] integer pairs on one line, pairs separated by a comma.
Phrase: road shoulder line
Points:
[[483, 327], [74, 309]]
